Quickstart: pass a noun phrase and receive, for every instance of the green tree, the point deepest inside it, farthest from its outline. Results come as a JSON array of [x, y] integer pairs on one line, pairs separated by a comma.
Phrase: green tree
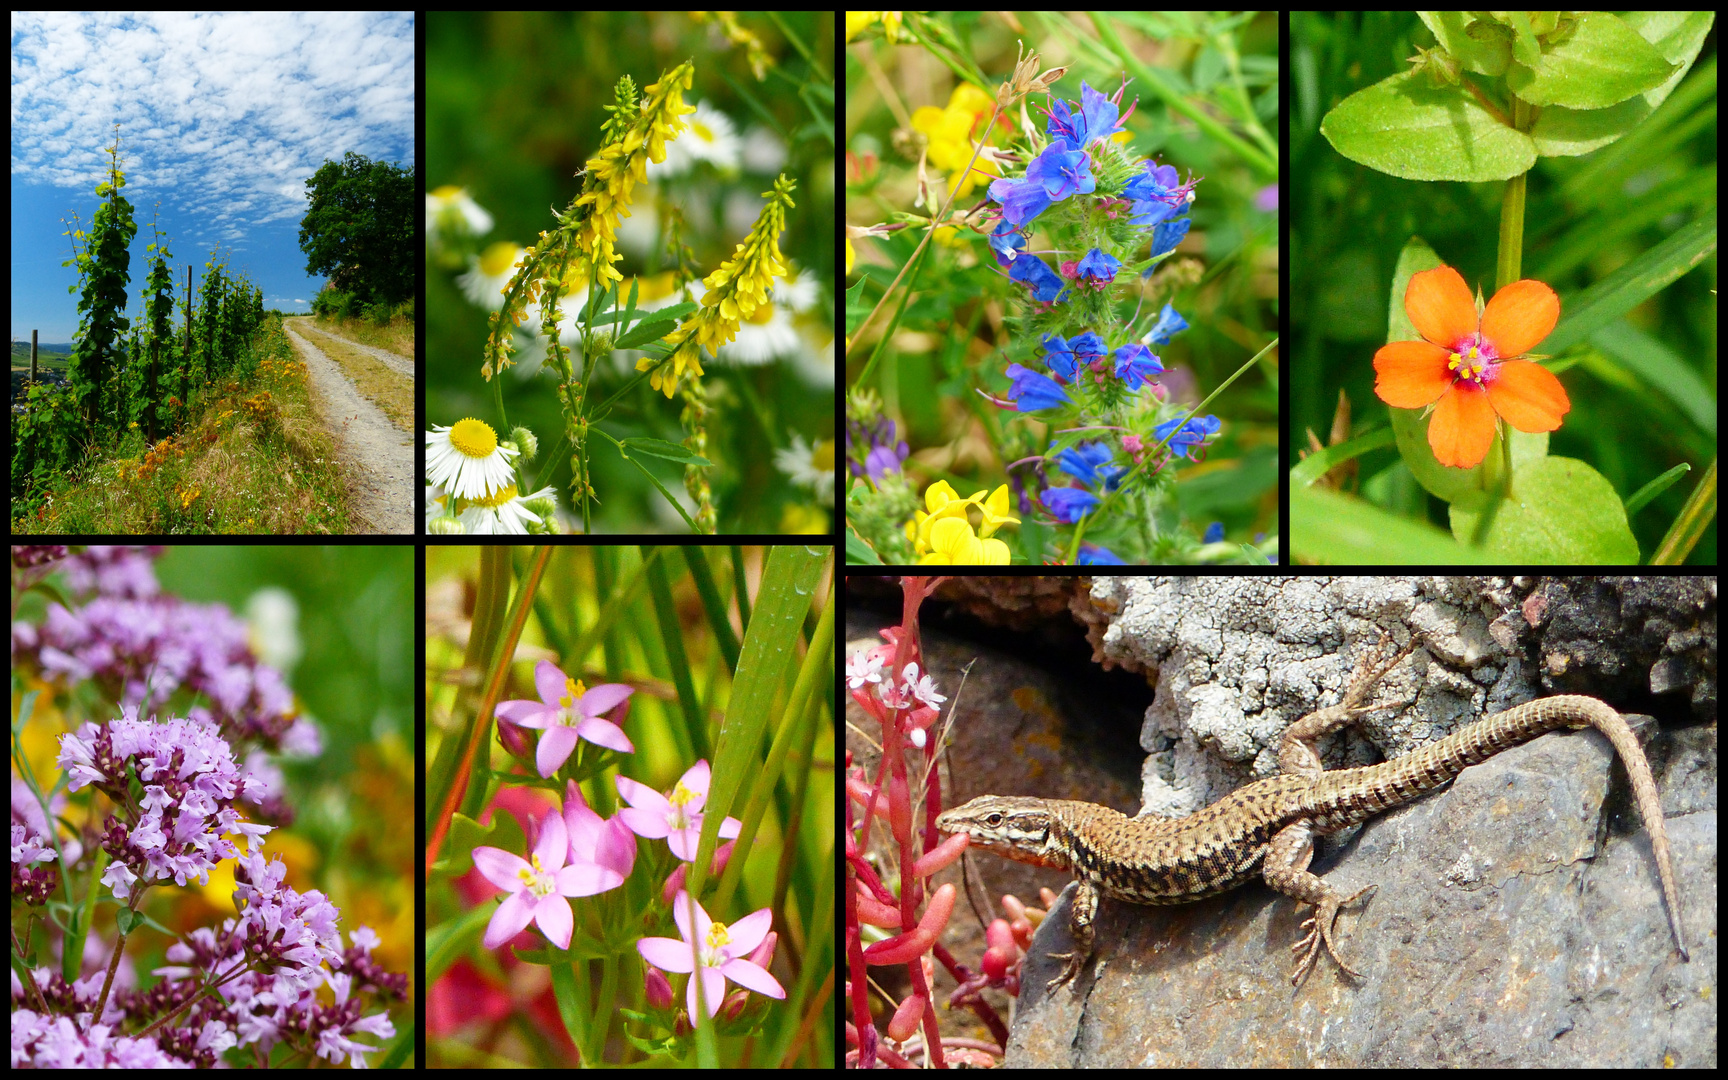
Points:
[[359, 229]]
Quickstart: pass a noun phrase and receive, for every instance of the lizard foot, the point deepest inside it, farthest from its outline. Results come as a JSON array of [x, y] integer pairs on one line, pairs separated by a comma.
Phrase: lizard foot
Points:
[[1319, 927]]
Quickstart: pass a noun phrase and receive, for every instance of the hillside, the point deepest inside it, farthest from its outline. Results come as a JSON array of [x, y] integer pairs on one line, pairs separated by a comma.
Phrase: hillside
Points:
[[251, 457]]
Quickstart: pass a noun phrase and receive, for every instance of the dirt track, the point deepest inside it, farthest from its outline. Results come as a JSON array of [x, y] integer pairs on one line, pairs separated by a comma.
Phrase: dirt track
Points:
[[379, 455]]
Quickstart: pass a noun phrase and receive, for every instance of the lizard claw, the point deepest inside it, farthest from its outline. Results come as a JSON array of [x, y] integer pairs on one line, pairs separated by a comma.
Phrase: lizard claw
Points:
[[1319, 927], [1069, 970]]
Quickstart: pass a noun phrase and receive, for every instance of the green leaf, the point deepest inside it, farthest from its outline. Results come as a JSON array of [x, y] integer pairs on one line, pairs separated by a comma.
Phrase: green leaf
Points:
[[638, 336], [857, 551], [1329, 527], [1603, 63], [670, 451], [1404, 127], [1561, 512], [652, 479]]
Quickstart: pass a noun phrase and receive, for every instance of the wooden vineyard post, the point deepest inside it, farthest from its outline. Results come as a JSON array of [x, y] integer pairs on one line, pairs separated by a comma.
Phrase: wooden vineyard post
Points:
[[186, 355]]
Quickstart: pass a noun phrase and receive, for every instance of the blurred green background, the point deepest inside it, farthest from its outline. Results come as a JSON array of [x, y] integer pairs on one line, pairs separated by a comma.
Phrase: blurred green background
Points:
[[1585, 217], [1220, 69], [514, 107]]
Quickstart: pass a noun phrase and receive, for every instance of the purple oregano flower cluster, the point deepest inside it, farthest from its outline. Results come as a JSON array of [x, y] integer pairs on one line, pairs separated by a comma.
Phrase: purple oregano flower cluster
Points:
[[1102, 207], [175, 788]]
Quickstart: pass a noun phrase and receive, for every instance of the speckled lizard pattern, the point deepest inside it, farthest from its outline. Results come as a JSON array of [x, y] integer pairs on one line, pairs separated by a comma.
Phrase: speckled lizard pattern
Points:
[[1267, 828]]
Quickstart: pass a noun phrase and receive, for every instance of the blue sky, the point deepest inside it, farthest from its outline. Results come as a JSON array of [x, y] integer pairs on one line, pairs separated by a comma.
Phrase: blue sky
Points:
[[222, 119]]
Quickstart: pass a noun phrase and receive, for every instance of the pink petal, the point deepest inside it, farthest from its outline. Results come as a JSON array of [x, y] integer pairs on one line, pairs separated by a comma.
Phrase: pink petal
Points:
[[500, 867], [511, 918], [605, 733], [752, 977], [549, 680], [602, 699], [553, 915], [554, 751]]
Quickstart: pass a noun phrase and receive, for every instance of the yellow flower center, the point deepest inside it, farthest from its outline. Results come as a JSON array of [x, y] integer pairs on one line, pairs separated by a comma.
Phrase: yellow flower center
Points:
[[718, 935], [498, 258], [1469, 363], [473, 438], [497, 498], [573, 690]]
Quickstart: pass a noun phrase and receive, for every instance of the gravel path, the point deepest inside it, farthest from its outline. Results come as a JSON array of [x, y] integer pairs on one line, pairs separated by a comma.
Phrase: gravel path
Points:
[[379, 454], [399, 364]]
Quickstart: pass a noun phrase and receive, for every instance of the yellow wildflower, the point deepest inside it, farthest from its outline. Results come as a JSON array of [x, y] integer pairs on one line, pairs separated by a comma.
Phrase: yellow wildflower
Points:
[[614, 171], [735, 291], [943, 535], [952, 131]]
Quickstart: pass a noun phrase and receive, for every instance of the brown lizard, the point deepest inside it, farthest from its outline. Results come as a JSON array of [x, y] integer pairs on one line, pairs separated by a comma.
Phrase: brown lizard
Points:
[[1267, 828]]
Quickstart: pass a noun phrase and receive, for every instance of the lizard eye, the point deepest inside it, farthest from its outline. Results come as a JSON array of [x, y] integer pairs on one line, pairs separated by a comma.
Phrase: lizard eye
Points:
[[995, 820]]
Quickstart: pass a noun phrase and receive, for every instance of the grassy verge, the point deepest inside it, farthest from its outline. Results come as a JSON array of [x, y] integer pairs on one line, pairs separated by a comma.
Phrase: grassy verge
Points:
[[250, 457]]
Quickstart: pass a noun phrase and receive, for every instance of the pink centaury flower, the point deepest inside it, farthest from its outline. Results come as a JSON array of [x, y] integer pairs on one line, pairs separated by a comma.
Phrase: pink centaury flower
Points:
[[538, 885], [568, 711], [677, 817], [714, 952]]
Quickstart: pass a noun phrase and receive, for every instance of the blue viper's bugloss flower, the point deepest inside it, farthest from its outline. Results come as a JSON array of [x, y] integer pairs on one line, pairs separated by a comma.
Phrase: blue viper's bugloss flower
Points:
[[1166, 236], [1161, 203], [1169, 324], [1032, 391], [1135, 365], [1089, 348], [1059, 357], [1093, 555], [1089, 463], [1007, 242], [1046, 285], [1098, 269], [1096, 119], [1068, 504], [1192, 433], [1059, 172]]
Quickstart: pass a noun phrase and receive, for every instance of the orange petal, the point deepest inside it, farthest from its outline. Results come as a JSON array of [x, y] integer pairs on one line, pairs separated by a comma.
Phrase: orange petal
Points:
[[1519, 317], [1462, 427], [1411, 374], [1528, 396], [1440, 306]]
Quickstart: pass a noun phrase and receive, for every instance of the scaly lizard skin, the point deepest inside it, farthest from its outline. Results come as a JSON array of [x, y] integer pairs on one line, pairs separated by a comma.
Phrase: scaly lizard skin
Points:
[[1267, 828]]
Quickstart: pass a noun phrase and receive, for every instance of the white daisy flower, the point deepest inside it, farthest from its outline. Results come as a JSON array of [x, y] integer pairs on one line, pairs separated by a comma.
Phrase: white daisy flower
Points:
[[507, 512], [466, 460], [489, 274], [451, 211], [810, 466]]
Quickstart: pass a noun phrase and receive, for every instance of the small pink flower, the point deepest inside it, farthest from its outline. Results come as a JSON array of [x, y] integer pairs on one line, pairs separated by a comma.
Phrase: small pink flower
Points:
[[678, 818], [567, 711], [714, 953], [539, 885]]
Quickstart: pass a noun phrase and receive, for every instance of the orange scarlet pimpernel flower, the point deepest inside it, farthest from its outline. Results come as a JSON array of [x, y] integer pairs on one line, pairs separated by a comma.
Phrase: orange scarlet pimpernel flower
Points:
[[1467, 366]]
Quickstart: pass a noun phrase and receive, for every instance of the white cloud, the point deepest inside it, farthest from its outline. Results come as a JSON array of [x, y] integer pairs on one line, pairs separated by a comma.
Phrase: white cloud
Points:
[[228, 114]]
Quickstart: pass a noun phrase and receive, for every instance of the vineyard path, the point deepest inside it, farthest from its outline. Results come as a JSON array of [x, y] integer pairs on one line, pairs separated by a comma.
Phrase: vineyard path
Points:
[[379, 455]]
